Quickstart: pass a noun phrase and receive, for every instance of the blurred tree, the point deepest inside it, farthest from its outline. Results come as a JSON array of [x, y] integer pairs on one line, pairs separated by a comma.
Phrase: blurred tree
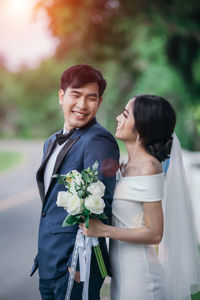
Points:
[[107, 30], [141, 47], [104, 29], [29, 101]]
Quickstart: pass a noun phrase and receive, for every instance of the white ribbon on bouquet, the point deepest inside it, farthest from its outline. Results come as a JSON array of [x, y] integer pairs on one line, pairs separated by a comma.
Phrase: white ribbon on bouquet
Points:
[[83, 251]]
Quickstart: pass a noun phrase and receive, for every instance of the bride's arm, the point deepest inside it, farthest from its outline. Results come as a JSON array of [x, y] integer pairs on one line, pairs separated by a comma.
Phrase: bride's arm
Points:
[[151, 233]]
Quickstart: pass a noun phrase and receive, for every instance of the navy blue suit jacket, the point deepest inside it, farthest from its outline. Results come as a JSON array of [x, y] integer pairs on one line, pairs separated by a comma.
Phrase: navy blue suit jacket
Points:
[[83, 148]]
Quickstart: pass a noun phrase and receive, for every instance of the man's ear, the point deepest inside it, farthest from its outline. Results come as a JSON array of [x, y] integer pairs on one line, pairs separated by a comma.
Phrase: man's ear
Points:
[[100, 100], [61, 94]]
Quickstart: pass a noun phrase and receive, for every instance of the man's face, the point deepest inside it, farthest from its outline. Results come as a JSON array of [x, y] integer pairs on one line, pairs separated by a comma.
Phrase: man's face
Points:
[[80, 105]]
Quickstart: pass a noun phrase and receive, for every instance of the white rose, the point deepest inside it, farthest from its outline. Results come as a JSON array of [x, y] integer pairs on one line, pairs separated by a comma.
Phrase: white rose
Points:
[[62, 199], [97, 189], [72, 188], [78, 177], [74, 204], [75, 173], [94, 204]]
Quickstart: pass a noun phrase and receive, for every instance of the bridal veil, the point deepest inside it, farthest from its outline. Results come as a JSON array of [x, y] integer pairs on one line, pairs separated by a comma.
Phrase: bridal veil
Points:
[[178, 251]]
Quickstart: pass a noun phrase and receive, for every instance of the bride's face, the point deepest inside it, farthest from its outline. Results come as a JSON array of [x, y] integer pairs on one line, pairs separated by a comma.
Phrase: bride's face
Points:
[[125, 129]]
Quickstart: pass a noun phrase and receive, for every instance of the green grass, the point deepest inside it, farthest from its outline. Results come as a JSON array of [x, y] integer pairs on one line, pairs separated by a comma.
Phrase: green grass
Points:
[[8, 160], [195, 296]]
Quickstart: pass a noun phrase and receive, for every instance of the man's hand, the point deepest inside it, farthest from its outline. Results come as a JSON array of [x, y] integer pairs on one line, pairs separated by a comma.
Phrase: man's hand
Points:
[[77, 275]]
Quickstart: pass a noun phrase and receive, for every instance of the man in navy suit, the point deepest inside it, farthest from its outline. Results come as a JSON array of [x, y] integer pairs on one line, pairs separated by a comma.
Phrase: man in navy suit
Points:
[[81, 142]]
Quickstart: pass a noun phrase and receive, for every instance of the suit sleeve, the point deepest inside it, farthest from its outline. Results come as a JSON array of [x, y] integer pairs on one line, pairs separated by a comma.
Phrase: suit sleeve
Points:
[[104, 149]]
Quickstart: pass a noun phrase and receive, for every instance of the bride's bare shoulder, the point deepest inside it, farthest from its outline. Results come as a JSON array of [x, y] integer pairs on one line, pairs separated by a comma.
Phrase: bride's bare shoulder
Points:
[[151, 167], [145, 168]]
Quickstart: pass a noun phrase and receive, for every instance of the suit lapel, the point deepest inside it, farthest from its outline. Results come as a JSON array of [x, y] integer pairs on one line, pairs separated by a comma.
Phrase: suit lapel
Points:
[[60, 158], [40, 172], [63, 153], [71, 141]]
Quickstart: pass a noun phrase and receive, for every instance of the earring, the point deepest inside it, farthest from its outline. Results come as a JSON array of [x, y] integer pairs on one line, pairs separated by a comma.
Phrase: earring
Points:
[[137, 138]]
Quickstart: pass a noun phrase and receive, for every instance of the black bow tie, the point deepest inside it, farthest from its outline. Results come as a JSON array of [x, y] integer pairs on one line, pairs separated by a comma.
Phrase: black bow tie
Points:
[[61, 138]]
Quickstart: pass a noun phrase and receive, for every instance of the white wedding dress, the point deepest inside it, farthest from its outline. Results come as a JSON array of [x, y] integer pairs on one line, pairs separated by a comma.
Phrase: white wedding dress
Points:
[[137, 271]]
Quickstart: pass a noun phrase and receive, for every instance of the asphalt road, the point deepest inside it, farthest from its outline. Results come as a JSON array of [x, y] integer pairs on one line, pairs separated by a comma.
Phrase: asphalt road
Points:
[[19, 217]]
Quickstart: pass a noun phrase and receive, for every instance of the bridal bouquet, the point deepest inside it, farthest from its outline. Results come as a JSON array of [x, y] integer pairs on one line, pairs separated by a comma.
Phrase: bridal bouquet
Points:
[[83, 200]]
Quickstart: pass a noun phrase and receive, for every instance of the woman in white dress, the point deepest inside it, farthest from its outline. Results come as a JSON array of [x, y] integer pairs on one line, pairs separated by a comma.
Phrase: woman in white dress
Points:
[[146, 127]]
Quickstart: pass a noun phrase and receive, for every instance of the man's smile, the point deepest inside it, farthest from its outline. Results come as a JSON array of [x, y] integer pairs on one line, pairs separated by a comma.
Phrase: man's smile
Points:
[[79, 115]]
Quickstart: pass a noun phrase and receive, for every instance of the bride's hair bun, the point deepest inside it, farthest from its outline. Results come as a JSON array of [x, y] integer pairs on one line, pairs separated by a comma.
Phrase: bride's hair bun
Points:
[[155, 121], [161, 150]]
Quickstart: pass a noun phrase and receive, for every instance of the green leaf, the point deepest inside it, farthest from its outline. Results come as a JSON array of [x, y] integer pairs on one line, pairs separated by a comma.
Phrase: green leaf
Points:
[[92, 216], [96, 178], [95, 165], [86, 212], [80, 193], [79, 219], [61, 178], [87, 221], [69, 220], [102, 216], [61, 181], [55, 176]]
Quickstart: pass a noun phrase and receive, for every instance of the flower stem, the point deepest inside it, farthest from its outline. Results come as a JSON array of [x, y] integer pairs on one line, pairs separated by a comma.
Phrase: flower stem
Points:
[[100, 261]]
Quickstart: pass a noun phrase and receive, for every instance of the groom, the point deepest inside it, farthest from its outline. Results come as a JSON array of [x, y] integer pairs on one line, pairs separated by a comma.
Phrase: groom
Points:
[[81, 142]]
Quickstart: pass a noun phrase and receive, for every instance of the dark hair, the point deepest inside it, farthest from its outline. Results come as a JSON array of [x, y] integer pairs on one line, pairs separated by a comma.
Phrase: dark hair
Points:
[[155, 121], [79, 75]]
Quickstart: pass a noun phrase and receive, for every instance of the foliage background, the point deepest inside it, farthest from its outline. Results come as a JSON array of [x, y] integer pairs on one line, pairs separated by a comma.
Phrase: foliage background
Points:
[[140, 46]]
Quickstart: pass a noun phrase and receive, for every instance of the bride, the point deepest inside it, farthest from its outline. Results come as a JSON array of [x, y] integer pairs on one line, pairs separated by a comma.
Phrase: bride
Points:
[[150, 207]]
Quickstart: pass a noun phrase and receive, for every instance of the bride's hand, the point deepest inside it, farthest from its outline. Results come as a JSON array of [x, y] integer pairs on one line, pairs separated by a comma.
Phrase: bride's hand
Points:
[[96, 228]]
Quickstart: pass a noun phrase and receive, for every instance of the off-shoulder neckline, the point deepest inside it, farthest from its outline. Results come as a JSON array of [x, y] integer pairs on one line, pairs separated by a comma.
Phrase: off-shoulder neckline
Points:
[[143, 176]]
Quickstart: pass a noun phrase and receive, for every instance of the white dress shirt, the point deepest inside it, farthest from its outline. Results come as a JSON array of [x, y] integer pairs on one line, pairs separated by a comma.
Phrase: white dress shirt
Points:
[[51, 163]]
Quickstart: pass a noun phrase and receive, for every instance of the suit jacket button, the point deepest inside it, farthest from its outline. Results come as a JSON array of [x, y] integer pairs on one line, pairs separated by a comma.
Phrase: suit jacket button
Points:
[[43, 214]]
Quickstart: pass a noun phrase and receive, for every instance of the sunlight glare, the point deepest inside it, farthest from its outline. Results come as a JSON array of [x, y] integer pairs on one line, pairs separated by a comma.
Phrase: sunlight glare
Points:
[[19, 6], [25, 38]]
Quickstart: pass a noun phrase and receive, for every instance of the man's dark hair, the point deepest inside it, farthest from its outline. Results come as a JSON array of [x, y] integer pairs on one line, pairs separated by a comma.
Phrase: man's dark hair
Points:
[[79, 75]]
